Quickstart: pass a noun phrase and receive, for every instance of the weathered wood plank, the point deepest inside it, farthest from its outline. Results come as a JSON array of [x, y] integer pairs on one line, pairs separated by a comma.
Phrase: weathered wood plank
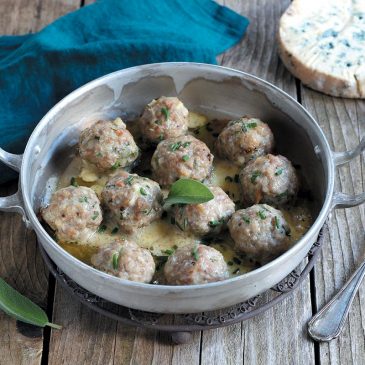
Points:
[[343, 123], [20, 262]]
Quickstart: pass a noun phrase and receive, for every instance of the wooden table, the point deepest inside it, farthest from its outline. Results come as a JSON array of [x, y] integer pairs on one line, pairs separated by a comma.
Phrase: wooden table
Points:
[[276, 337]]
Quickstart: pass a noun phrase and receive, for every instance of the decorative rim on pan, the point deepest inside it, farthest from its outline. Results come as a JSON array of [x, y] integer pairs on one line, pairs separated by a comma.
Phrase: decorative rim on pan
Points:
[[186, 323]]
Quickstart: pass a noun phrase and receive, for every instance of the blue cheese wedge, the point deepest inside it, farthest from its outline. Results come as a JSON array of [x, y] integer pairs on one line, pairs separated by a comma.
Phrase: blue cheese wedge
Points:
[[323, 44]]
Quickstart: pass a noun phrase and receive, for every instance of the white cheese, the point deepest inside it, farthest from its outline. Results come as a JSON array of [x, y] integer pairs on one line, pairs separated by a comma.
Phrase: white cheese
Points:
[[322, 42]]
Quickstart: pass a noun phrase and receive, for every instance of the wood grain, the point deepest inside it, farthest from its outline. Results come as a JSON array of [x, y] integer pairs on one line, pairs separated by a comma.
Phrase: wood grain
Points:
[[20, 263], [343, 123]]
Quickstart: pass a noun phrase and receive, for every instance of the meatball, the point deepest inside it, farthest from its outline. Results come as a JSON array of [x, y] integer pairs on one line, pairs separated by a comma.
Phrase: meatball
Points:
[[195, 264], [163, 118], [260, 231], [244, 139], [206, 218], [126, 260], [181, 157], [269, 179], [108, 145], [134, 201], [74, 213]]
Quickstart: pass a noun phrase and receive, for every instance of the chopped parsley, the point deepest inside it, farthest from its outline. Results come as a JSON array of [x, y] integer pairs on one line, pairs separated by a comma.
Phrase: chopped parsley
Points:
[[214, 223], [73, 182], [246, 127], [186, 144], [83, 199], [195, 253], [246, 219], [175, 146], [115, 230], [277, 222], [128, 180], [115, 260], [165, 112], [255, 175], [96, 215], [102, 228], [261, 214], [116, 165], [143, 191], [279, 171], [185, 158], [169, 251]]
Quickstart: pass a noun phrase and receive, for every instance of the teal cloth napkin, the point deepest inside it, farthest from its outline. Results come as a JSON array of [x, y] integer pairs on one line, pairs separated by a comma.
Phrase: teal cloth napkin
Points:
[[37, 70]]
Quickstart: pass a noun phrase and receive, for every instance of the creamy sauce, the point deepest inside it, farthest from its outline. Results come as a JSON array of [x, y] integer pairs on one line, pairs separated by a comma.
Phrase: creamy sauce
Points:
[[161, 237]]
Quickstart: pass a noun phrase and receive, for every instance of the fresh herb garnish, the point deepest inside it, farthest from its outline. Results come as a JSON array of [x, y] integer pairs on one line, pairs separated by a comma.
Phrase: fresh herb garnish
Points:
[[21, 308], [214, 223], [186, 144], [73, 182], [185, 158], [188, 191], [96, 215], [169, 251], [102, 228], [255, 175], [115, 260], [83, 199], [115, 230], [277, 222], [246, 219], [251, 125], [128, 180], [279, 172], [175, 146], [143, 191], [165, 112], [261, 214], [116, 165], [195, 253]]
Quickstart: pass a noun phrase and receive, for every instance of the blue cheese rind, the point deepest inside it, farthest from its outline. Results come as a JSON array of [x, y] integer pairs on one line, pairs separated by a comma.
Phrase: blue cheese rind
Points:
[[323, 44]]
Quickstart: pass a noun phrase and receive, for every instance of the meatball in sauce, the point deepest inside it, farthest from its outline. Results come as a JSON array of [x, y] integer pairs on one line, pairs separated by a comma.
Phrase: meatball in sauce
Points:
[[195, 264], [74, 213], [108, 145], [269, 179], [206, 218], [163, 118], [181, 157], [260, 232], [134, 201], [244, 139], [126, 260]]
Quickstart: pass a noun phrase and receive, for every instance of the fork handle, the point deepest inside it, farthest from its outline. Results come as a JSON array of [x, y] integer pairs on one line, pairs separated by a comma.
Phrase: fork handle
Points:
[[328, 323]]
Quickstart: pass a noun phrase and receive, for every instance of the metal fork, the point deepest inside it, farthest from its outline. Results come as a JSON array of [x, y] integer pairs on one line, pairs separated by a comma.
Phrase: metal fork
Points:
[[328, 323]]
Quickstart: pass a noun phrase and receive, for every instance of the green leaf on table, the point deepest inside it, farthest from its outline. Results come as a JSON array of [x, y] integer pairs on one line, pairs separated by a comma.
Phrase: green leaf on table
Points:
[[188, 191], [21, 308]]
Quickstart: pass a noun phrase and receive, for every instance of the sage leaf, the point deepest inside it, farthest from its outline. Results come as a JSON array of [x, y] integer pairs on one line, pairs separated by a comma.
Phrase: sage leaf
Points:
[[188, 191], [21, 308]]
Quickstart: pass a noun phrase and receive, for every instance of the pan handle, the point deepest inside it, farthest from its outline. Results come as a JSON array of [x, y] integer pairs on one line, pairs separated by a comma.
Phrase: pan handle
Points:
[[341, 200], [339, 158], [13, 203]]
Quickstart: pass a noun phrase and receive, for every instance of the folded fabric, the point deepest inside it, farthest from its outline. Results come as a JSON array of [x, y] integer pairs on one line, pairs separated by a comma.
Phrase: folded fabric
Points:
[[37, 70]]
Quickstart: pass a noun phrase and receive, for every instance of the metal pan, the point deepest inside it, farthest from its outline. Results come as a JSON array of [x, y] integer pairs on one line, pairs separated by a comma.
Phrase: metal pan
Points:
[[214, 91]]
